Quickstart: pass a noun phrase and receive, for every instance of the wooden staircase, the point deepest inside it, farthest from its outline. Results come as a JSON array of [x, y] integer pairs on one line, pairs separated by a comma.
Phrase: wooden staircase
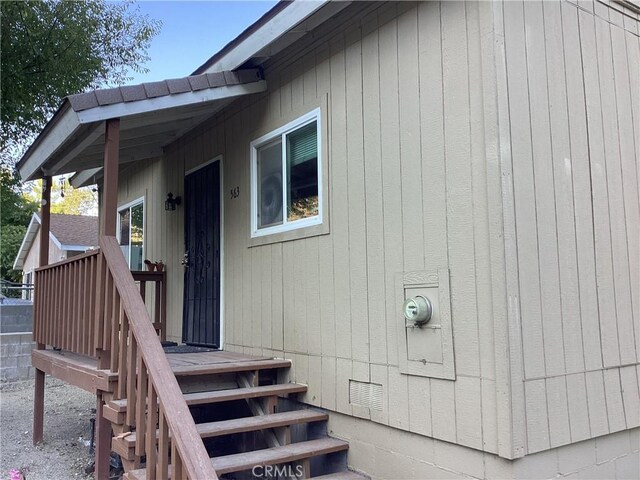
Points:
[[255, 424]]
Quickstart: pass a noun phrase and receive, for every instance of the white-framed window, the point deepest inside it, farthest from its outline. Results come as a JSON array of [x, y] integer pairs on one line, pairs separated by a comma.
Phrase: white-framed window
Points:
[[131, 233], [286, 177]]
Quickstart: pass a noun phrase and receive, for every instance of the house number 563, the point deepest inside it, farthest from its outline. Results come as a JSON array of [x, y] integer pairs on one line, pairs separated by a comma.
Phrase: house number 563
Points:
[[235, 192]]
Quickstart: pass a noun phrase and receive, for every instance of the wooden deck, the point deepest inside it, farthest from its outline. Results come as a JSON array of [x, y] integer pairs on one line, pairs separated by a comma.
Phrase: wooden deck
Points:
[[82, 371]]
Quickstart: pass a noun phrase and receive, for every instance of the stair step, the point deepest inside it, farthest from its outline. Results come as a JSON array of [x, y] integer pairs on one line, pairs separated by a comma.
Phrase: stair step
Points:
[[246, 424], [229, 367], [269, 456], [348, 475], [217, 396], [277, 455]]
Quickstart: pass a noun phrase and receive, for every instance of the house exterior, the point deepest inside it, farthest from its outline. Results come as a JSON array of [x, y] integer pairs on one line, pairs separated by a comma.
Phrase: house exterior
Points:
[[481, 155], [70, 235]]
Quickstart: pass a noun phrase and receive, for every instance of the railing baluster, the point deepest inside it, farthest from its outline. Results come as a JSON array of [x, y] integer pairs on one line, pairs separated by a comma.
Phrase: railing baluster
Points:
[[93, 279], [132, 357], [37, 285], [99, 304], [141, 405], [89, 307], [176, 461], [59, 309], [109, 299], [163, 307], [122, 356], [152, 421], [62, 337], [156, 310], [117, 314], [163, 446], [84, 301], [57, 304], [74, 307], [45, 333]]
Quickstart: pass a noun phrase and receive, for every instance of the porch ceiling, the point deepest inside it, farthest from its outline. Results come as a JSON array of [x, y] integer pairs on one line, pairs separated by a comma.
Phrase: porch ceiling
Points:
[[152, 115]]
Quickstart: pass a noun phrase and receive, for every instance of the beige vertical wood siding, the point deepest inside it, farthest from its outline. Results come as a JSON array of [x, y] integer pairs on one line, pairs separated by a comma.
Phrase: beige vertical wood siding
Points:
[[405, 142], [573, 93], [499, 141], [32, 260]]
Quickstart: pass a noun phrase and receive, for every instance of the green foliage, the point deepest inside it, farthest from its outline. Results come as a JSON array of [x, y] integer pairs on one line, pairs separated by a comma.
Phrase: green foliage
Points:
[[55, 48], [15, 214], [64, 198]]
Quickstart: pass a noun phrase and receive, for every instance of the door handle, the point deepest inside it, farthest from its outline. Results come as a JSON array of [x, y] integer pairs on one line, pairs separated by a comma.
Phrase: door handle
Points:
[[185, 259]]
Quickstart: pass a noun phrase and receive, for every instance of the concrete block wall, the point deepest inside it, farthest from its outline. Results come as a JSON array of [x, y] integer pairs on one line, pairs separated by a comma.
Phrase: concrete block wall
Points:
[[16, 317], [15, 356], [383, 452]]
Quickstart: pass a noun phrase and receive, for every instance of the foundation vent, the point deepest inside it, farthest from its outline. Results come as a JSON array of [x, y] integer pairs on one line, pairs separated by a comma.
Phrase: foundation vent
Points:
[[365, 394]]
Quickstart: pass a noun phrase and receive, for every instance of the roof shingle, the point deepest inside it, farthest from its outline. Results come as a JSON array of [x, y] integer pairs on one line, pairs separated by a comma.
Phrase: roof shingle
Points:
[[143, 91], [76, 230]]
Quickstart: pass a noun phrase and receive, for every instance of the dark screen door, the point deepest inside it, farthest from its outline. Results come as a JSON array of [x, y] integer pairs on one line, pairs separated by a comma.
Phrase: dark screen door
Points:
[[201, 320]]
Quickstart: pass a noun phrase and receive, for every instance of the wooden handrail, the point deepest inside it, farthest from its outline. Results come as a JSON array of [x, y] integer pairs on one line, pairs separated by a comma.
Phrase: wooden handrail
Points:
[[139, 349], [75, 258]]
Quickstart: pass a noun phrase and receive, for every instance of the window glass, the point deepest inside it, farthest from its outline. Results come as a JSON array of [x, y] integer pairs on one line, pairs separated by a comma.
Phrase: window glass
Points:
[[270, 184], [131, 234], [125, 224], [302, 173], [137, 237]]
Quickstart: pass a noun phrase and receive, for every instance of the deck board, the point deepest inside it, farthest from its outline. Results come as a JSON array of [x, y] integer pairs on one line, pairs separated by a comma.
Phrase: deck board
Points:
[[74, 369], [208, 358], [82, 371]]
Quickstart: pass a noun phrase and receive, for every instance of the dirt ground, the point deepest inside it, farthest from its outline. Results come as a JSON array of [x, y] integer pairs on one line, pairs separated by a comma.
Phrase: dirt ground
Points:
[[63, 454]]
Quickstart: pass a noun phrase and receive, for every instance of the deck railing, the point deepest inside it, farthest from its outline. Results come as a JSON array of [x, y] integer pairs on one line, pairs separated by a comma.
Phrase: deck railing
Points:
[[65, 304], [122, 336], [159, 281]]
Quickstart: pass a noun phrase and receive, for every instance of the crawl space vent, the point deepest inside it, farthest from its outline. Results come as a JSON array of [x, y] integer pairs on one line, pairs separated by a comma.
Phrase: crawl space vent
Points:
[[365, 394]]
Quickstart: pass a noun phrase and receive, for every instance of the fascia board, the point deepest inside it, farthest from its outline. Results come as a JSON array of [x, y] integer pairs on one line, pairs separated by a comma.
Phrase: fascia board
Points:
[[282, 23], [63, 129], [119, 110]]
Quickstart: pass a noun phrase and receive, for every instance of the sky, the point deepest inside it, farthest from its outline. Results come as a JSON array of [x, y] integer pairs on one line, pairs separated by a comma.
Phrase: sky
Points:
[[192, 31]]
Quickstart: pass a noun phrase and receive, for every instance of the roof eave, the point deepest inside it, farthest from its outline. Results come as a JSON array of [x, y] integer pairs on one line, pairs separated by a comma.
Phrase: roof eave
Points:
[[27, 241], [268, 30], [64, 124], [69, 126]]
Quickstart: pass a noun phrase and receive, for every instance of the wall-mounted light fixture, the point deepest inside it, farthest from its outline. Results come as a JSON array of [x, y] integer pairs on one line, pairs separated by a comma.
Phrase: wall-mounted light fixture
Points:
[[171, 202]]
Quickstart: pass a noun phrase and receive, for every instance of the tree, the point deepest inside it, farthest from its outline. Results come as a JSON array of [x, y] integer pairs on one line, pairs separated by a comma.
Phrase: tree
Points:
[[55, 48], [15, 215], [64, 198]]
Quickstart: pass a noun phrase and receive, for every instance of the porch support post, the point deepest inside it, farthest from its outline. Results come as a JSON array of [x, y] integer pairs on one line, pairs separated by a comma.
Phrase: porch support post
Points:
[[38, 394], [110, 189], [109, 215]]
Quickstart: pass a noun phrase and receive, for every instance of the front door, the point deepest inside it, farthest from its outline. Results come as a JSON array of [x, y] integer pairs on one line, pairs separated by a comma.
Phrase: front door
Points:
[[201, 317]]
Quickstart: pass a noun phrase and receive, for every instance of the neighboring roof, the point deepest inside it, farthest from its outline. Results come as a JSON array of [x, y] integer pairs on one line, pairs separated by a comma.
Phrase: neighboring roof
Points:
[[152, 115], [68, 232], [75, 231]]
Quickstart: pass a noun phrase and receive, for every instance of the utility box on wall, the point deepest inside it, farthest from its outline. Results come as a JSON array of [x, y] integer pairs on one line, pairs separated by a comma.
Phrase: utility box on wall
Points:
[[425, 348]]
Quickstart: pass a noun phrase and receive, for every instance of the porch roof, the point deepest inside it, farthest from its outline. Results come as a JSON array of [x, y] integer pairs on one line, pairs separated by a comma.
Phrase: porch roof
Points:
[[152, 115]]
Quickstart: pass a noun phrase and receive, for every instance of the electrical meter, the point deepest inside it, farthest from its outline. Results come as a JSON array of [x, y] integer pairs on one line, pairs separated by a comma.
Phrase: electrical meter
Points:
[[417, 310]]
